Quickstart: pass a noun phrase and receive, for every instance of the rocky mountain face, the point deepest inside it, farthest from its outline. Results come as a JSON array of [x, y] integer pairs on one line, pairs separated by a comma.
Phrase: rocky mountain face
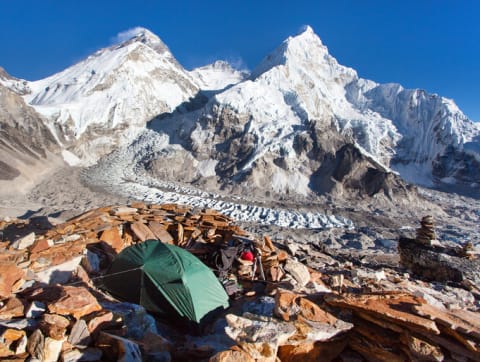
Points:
[[27, 146], [302, 124]]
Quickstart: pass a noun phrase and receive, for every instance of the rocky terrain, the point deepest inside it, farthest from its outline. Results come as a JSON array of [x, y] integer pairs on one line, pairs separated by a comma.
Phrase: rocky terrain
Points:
[[53, 306], [326, 174]]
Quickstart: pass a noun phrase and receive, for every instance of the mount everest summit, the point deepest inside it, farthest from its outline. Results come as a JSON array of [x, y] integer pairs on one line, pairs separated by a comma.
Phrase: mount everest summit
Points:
[[299, 124]]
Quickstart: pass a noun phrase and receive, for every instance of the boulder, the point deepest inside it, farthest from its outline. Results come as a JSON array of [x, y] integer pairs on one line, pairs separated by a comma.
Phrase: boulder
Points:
[[54, 326], [75, 301], [259, 337], [11, 277], [52, 349], [116, 348], [91, 262], [232, 356], [12, 308], [311, 351], [24, 242], [441, 264], [113, 238], [13, 342], [298, 271], [98, 320], [136, 319], [59, 274], [79, 335], [36, 344]]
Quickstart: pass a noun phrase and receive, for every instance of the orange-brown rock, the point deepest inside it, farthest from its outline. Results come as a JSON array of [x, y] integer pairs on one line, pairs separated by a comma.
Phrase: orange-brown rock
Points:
[[98, 320], [142, 231], [421, 349], [10, 276], [82, 274], [285, 306], [12, 342], [12, 308], [57, 254], [269, 243], [41, 245], [375, 333], [396, 308], [232, 356], [54, 326], [75, 301], [464, 322], [311, 351], [36, 344], [160, 232], [116, 348], [113, 238], [312, 312], [375, 352]]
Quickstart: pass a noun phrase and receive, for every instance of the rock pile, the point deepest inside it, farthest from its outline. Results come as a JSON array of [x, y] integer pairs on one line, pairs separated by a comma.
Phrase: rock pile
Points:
[[51, 308], [432, 261], [400, 327], [426, 233]]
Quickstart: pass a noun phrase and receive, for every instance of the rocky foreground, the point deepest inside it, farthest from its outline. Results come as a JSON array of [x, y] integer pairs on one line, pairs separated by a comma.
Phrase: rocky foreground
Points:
[[291, 302]]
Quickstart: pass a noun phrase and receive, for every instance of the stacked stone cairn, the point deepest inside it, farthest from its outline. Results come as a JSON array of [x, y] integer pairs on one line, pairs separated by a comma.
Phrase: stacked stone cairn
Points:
[[426, 233], [468, 250]]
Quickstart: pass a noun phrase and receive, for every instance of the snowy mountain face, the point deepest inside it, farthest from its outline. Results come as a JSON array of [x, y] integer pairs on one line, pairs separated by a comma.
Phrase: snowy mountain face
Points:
[[217, 76], [16, 85], [301, 118], [300, 124], [102, 102]]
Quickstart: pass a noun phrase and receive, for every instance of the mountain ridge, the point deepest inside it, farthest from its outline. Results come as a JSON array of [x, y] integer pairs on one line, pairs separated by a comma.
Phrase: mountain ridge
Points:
[[271, 118]]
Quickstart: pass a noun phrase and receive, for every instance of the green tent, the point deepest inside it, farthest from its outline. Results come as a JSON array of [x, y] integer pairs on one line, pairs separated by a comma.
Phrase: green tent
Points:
[[166, 280]]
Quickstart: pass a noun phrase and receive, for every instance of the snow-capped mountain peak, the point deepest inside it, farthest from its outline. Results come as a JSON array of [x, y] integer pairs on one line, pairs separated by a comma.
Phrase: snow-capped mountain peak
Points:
[[299, 109], [305, 48], [218, 75], [120, 88], [146, 37]]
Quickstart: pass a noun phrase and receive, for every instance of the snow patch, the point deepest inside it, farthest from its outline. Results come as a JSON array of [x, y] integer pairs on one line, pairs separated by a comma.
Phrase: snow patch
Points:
[[207, 167], [70, 158]]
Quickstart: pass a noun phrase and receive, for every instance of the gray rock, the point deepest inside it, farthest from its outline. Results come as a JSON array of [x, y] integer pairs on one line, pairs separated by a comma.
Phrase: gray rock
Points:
[[80, 336], [91, 262], [36, 344], [260, 337], [86, 355], [263, 306], [135, 317], [438, 264], [298, 271], [25, 242]]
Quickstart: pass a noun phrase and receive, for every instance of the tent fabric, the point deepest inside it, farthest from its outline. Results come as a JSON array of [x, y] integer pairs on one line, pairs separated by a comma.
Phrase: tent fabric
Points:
[[165, 279]]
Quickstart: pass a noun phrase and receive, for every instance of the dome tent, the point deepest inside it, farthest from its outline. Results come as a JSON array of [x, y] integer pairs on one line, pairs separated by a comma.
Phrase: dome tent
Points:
[[166, 279]]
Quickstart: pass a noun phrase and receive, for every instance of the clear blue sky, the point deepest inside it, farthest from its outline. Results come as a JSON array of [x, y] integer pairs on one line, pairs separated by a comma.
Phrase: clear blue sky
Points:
[[433, 45]]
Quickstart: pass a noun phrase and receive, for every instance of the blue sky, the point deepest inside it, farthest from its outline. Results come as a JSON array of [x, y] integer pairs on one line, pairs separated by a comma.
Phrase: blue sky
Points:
[[433, 45]]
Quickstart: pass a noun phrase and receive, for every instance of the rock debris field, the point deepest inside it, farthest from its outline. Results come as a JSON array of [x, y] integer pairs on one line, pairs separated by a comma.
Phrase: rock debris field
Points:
[[288, 302]]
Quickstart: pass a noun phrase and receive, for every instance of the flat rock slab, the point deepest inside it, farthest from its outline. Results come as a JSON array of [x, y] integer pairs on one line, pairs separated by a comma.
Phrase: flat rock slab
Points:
[[76, 301], [394, 308]]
